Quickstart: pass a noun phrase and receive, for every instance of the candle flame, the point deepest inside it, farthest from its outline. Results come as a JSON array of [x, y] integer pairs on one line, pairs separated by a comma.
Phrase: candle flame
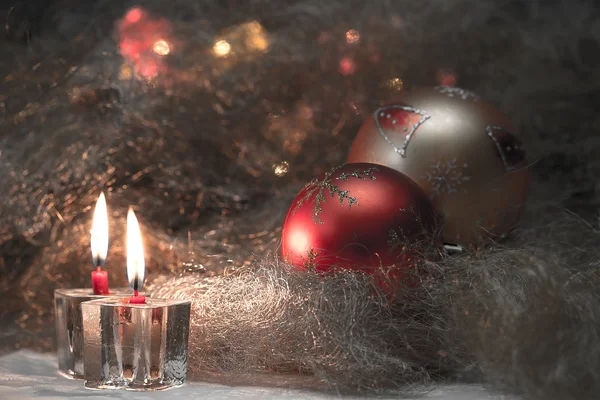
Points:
[[136, 268], [99, 232]]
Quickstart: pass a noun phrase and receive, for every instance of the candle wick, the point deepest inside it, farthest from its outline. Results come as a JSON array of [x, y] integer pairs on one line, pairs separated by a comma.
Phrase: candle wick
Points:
[[135, 293], [98, 268], [98, 261]]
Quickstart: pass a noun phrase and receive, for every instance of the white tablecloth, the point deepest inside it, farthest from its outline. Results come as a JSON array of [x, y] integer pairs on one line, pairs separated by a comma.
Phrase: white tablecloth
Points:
[[28, 375]]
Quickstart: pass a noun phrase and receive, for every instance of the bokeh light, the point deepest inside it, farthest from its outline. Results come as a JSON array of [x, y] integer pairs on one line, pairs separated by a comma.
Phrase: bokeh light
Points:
[[281, 169], [161, 47], [134, 15], [256, 38], [148, 69], [352, 36], [394, 84], [445, 78], [243, 41], [142, 37], [347, 66], [125, 72], [222, 48]]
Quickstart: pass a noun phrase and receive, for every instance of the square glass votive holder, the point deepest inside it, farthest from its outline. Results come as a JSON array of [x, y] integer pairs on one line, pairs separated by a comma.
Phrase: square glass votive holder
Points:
[[135, 346], [69, 327]]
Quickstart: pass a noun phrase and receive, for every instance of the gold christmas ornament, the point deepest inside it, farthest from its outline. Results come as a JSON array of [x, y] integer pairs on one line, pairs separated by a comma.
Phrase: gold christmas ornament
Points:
[[461, 150]]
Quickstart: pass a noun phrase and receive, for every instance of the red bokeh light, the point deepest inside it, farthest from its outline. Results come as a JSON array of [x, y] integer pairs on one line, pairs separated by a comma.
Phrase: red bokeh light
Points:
[[446, 78], [347, 66], [138, 33], [148, 68], [133, 16]]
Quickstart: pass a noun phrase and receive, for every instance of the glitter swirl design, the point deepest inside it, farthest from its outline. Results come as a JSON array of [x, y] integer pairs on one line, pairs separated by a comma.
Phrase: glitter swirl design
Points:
[[402, 119], [510, 148], [457, 92]]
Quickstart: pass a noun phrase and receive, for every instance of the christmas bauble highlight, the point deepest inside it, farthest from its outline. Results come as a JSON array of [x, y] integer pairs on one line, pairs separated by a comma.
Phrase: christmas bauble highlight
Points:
[[358, 216], [462, 151]]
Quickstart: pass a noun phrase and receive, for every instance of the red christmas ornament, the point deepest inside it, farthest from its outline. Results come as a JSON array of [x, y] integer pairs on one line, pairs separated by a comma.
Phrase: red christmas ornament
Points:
[[361, 217]]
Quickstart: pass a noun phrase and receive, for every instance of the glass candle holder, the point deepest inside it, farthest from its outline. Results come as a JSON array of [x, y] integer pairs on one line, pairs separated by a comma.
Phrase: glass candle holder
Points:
[[135, 346], [69, 327]]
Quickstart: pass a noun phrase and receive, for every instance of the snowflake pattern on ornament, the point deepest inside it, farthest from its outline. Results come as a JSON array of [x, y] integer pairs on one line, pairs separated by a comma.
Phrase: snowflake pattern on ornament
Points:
[[309, 263], [400, 119], [451, 91], [510, 148], [318, 187], [397, 237], [446, 177]]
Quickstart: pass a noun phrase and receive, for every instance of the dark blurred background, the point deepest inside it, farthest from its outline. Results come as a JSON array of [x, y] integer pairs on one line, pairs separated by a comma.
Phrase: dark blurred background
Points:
[[208, 116]]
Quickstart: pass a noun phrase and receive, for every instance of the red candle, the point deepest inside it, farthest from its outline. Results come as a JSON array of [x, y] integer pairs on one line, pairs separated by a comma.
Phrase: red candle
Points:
[[100, 281], [137, 299], [99, 245]]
